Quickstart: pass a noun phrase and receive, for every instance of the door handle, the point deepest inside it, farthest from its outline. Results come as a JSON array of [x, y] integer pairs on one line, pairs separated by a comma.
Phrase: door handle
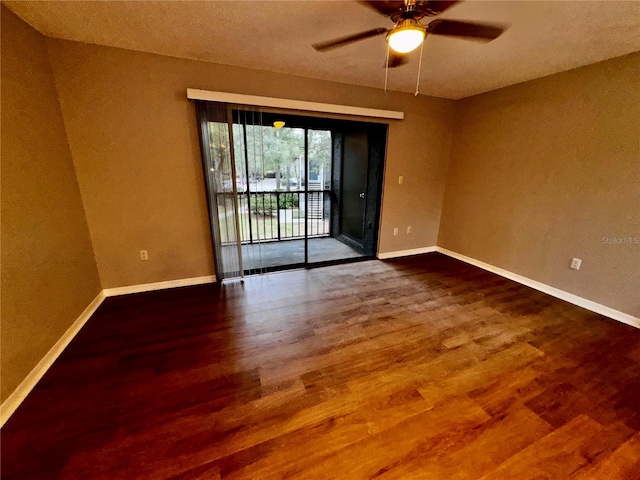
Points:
[[362, 195]]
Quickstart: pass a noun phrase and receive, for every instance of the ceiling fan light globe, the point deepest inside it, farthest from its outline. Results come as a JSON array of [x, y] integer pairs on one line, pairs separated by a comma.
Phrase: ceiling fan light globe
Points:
[[406, 39]]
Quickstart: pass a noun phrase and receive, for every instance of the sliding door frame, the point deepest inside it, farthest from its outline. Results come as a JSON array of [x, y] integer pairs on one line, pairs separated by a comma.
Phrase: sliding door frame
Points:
[[337, 127]]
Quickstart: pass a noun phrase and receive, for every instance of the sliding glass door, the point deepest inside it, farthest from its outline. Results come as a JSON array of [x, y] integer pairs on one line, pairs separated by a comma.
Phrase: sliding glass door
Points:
[[288, 191]]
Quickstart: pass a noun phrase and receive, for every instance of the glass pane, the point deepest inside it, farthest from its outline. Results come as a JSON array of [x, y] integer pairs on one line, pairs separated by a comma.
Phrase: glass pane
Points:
[[273, 207], [319, 142]]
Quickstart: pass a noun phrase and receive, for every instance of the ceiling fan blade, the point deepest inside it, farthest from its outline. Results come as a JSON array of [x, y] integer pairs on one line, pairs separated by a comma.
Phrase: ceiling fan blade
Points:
[[396, 60], [342, 41], [474, 31], [384, 7]]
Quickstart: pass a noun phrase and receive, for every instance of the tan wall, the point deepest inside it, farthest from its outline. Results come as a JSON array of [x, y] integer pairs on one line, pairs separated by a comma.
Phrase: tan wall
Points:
[[135, 144], [49, 273], [540, 172]]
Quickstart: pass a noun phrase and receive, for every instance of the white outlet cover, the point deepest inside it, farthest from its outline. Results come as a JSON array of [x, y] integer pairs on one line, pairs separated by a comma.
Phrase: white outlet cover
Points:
[[575, 263]]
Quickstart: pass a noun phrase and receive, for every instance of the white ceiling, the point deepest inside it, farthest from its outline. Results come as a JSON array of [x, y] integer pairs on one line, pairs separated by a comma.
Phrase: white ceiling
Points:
[[544, 37]]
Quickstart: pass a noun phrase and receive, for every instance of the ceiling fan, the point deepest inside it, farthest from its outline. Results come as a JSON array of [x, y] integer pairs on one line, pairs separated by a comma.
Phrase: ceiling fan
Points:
[[408, 33]]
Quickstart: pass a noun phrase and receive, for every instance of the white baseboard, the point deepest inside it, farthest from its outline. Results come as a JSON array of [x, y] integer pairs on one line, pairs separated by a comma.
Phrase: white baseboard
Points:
[[19, 394], [554, 292], [406, 253], [150, 287]]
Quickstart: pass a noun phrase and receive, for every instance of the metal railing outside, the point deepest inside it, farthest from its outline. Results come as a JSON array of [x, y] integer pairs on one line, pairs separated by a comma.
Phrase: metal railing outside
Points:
[[276, 216]]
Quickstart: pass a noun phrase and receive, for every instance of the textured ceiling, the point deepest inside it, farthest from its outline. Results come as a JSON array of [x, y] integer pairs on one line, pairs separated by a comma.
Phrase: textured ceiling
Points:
[[544, 37]]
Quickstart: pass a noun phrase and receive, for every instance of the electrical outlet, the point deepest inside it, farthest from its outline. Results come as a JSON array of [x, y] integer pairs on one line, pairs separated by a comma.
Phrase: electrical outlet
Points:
[[400, 180], [409, 229], [144, 255], [575, 263], [395, 231]]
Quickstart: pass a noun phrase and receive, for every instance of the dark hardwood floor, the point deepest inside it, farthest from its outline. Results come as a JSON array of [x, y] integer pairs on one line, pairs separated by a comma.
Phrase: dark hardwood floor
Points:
[[422, 367]]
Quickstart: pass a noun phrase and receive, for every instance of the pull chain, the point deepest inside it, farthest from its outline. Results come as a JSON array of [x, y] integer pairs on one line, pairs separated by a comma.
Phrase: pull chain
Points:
[[419, 70]]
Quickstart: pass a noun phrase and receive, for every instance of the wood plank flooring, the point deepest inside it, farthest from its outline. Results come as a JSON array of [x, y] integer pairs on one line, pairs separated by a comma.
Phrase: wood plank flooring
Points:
[[416, 368]]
